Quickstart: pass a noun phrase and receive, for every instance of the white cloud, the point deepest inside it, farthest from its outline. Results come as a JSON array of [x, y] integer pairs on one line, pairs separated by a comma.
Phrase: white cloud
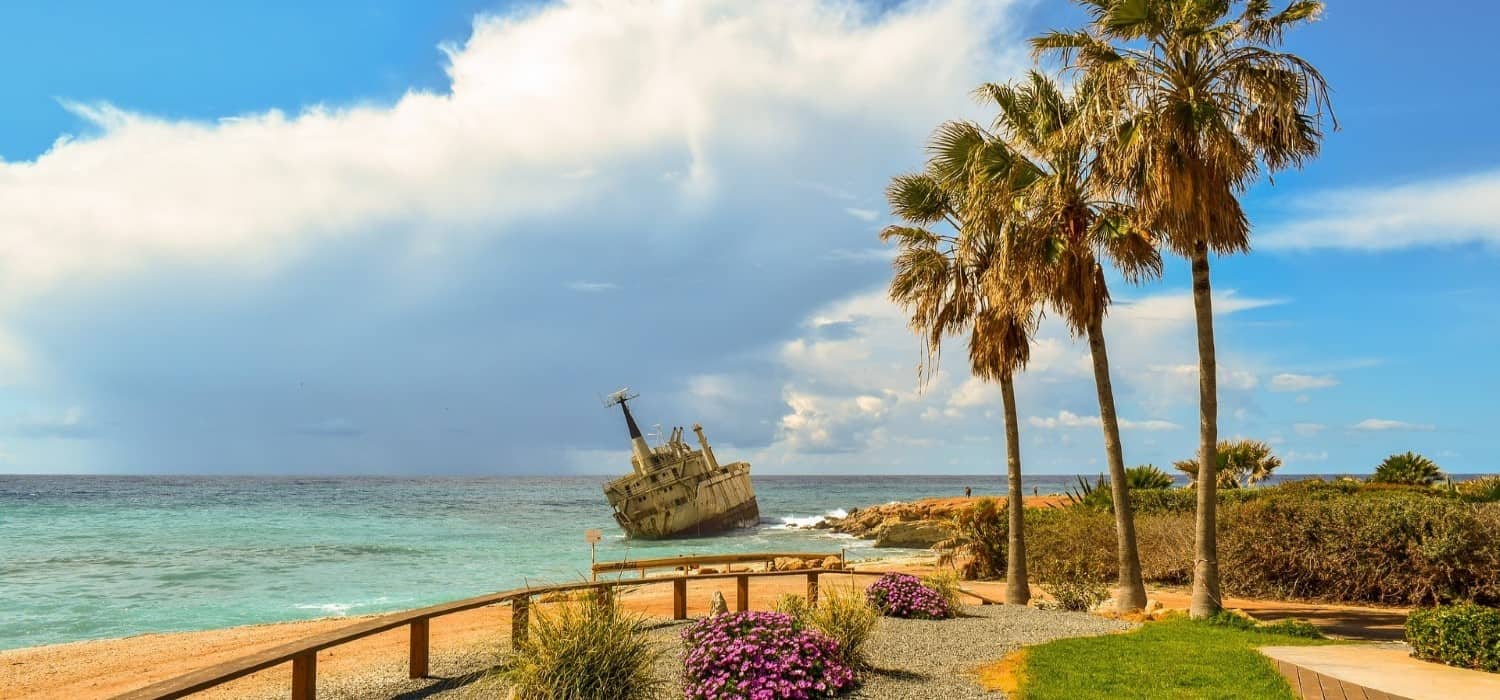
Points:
[[1068, 419], [517, 134], [1437, 212], [862, 214], [1295, 456], [590, 287], [73, 424], [1287, 381], [1381, 424], [1308, 429]]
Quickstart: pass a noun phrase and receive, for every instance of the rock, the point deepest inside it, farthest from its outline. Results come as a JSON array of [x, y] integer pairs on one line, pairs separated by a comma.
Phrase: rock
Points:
[[916, 534], [707, 570], [717, 605], [832, 563], [788, 564], [1153, 606], [824, 524]]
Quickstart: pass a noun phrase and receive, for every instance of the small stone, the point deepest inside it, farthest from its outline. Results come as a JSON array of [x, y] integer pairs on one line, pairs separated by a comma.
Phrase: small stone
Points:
[[717, 604]]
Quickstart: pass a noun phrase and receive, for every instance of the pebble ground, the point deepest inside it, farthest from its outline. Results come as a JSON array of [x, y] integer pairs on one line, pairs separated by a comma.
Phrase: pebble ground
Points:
[[913, 659]]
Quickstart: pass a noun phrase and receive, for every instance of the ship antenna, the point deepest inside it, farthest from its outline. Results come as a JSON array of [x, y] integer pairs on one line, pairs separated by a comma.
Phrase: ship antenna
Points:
[[620, 398]]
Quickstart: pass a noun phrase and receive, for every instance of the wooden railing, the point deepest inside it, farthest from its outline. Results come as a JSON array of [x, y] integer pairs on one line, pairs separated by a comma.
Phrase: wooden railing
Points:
[[698, 560], [303, 653]]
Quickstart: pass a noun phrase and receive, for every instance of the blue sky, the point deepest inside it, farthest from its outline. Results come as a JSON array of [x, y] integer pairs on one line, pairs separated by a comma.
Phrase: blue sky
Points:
[[425, 237]]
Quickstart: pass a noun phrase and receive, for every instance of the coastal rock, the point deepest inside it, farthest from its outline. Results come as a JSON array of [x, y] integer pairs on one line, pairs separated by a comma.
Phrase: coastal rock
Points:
[[788, 564], [717, 604], [914, 534], [832, 563]]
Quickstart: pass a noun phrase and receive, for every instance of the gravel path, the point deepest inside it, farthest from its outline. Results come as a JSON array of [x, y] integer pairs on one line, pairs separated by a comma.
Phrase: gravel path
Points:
[[913, 659]]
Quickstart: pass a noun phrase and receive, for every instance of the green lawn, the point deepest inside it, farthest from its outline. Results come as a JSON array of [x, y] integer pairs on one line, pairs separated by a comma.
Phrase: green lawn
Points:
[[1173, 658]]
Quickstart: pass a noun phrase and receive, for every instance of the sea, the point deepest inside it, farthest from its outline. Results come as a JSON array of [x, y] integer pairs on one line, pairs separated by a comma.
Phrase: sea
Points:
[[90, 557]]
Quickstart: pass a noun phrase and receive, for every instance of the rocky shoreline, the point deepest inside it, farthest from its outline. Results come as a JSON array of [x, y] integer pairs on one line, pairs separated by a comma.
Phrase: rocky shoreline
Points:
[[912, 525], [916, 524]]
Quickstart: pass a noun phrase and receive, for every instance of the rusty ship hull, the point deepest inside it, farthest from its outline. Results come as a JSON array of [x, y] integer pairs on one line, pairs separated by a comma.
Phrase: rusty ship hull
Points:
[[676, 491]]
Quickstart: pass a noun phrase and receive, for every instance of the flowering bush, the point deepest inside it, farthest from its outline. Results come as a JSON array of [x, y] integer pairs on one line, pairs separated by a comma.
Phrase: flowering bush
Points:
[[761, 656], [903, 595]]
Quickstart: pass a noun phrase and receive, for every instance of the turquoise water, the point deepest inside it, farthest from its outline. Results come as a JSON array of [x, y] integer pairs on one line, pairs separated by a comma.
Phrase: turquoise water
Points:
[[93, 557]]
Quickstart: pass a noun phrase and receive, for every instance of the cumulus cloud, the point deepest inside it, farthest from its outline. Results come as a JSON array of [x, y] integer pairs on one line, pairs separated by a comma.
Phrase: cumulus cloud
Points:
[[546, 108], [1302, 382], [1437, 212], [1383, 425]]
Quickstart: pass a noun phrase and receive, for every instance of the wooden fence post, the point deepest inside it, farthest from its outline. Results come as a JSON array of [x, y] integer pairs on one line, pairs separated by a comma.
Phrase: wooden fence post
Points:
[[679, 599], [812, 588], [520, 614], [417, 666], [305, 676], [603, 595], [741, 593]]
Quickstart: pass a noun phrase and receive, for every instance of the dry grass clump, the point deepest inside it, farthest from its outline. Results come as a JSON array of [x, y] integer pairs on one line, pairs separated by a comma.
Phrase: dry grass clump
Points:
[[846, 617], [585, 651], [945, 582]]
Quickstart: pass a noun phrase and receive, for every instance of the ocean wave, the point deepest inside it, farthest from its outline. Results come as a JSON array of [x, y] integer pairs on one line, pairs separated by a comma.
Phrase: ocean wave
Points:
[[798, 521], [341, 609]]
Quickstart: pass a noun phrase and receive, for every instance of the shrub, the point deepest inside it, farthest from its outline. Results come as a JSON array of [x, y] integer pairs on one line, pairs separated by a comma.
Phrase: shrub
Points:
[[1239, 463], [1288, 627], [1465, 635], [945, 582], [584, 651], [848, 619], [903, 595], [1398, 548], [982, 539], [793, 605], [760, 655], [1407, 468], [1147, 476], [1482, 490], [1078, 590]]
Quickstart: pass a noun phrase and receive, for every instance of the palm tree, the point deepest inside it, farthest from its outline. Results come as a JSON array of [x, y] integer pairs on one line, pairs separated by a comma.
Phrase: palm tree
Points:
[[1208, 102], [1407, 468], [1237, 464], [942, 280], [1068, 221]]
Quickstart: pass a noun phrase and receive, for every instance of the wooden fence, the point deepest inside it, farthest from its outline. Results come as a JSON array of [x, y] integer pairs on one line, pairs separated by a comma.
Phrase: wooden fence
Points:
[[303, 653]]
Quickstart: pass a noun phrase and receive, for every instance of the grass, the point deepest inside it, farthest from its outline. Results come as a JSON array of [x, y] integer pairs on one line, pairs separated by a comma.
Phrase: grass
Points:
[[1170, 658]]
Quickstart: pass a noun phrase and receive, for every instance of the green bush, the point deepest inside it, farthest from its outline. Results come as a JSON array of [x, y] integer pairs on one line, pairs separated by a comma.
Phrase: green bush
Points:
[[981, 540], [1239, 463], [1289, 627], [1465, 635], [585, 651], [1311, 540], [1397, 548], [1482, 490], [1407, 468], [1079, 589], [1147, 476], [847, 618]]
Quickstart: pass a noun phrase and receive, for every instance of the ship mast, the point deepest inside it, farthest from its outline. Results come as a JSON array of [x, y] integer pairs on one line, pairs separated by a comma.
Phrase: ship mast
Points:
[[643, 459]]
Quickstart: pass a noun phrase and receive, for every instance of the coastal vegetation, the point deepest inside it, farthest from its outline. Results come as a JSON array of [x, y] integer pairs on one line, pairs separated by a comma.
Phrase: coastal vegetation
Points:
[[1464, 635], [1407, 468], [1175, 109], [1170, 658], [585, 650], [847, 618], [1238, 463], [1343, 541]]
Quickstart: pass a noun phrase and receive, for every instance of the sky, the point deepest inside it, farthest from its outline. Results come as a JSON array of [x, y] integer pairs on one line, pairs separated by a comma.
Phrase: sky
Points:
[[426, 238]]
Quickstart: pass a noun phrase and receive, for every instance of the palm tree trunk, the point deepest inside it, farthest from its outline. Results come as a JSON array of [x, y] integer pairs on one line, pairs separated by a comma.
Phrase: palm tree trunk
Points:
[[1017, 592], [1206, 598], [1132, 594]]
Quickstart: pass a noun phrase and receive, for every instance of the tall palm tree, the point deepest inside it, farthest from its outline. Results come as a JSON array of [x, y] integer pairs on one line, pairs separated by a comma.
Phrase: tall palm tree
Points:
[[943, 281], [1209, 102], [1068, 221]]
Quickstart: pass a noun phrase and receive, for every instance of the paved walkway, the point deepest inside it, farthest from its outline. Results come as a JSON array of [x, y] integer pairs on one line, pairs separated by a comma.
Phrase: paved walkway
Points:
[[1377, 672]]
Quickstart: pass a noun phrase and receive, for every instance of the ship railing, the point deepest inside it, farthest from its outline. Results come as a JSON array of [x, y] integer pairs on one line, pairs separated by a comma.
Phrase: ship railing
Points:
[[302, 654]]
